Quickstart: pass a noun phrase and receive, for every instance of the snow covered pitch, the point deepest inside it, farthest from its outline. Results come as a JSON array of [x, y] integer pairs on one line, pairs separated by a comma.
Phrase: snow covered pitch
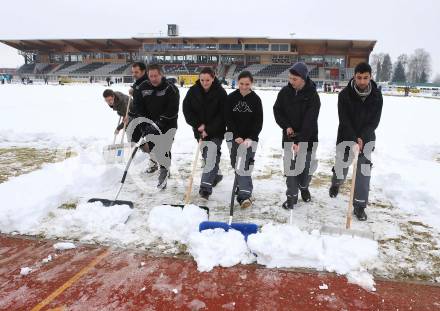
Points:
[[404, 212]]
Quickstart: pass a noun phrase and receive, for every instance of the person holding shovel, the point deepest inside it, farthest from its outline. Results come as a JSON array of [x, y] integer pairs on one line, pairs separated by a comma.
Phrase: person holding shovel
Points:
[[118, 102], [159, 103], [203, 108], [296, 111], [359, 108], [244, 121]]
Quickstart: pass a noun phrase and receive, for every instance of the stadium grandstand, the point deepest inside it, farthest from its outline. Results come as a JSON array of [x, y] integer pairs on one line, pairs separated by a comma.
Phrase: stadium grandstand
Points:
[[267, 58]]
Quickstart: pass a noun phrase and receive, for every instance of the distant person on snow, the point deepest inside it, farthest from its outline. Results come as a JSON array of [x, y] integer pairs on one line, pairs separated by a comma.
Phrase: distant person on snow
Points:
[[359, 108], [203, 108], [244, 121], [296, 111], [118, 102], [108, 81]]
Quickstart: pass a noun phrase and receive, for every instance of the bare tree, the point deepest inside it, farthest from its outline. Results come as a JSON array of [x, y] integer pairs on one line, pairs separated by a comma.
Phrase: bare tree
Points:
[[419, 66], [404, 60], [376, 63]]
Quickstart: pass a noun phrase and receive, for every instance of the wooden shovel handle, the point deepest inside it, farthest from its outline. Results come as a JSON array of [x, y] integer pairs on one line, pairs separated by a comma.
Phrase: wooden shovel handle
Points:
[[191, 178], [126, 116], [353, 185]]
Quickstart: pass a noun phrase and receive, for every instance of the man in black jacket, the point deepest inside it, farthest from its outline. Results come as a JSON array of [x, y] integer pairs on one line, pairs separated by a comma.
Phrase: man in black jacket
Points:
[[203, 108], [157, 100], [359, 108], [244, 121], [137, 109], [296, 111], [118, 102]]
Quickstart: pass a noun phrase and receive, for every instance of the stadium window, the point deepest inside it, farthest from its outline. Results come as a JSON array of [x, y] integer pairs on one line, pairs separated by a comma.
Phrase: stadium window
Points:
[[224, 47], [275, 47], [236, 47], [262, 47], [255, 59], [284, 47], [148, 47], [250, 47]]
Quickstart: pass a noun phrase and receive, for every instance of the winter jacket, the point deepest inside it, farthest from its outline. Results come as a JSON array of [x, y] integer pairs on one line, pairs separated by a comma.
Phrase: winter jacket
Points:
[[298, 110], [357, 118], [160, 104], [120, 106], [138, 108], [244, 115], [201, 107]]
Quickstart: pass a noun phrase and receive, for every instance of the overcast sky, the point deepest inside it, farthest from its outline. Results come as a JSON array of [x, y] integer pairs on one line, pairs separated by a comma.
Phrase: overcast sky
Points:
[[399, 26]]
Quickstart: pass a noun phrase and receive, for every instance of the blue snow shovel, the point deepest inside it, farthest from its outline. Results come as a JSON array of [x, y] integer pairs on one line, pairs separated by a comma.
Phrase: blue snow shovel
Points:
[[245, 228]]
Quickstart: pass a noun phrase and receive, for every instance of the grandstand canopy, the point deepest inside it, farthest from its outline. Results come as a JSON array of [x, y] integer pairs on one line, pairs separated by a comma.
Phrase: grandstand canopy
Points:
[[135, 44]]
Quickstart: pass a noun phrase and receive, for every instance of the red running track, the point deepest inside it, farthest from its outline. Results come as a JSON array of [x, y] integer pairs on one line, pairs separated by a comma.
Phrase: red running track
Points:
[[97, 278]]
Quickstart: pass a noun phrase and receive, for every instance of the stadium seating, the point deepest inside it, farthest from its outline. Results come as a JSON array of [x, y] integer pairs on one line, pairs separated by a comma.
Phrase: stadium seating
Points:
[[121, 70], [272, 70], [106, 69], [88, 68], [68, 67], [26, 69]]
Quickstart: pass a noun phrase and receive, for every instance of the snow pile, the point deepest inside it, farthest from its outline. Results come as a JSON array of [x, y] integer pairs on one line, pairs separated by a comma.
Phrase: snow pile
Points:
[[90, 219], [61, 246], [25, 271], [323, 286], [47, 260], [286, 246], [48, 188], [217, 247], [173, 223], [276, 246]]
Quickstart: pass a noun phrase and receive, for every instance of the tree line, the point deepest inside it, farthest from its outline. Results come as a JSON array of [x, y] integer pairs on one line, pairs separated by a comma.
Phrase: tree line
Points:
[[414, 68]]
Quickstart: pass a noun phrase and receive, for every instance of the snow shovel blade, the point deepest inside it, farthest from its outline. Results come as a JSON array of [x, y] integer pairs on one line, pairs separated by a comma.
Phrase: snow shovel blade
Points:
[[116, 147], [182, 206], [206, 225], [349, 232], [107, 202], [115, 153], [243, 228]]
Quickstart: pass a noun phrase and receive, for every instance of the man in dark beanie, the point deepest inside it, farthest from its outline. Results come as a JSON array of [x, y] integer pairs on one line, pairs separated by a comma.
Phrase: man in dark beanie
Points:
[[296, 111], [359, 108]]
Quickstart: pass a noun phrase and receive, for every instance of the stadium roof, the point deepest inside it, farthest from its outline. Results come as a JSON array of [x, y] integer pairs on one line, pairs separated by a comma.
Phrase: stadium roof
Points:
[[133, 44]]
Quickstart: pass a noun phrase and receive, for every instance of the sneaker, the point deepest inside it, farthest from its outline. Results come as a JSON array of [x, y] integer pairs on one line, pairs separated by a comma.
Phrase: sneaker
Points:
[[289, 203], [305, 195], [152, 167], [204, 194], [246, 203], [359, 212], [217, 179], [333, 191], [163, 177]]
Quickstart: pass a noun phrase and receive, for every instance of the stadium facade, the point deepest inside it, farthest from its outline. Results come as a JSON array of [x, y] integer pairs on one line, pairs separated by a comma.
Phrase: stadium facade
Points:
[[267, 58]]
